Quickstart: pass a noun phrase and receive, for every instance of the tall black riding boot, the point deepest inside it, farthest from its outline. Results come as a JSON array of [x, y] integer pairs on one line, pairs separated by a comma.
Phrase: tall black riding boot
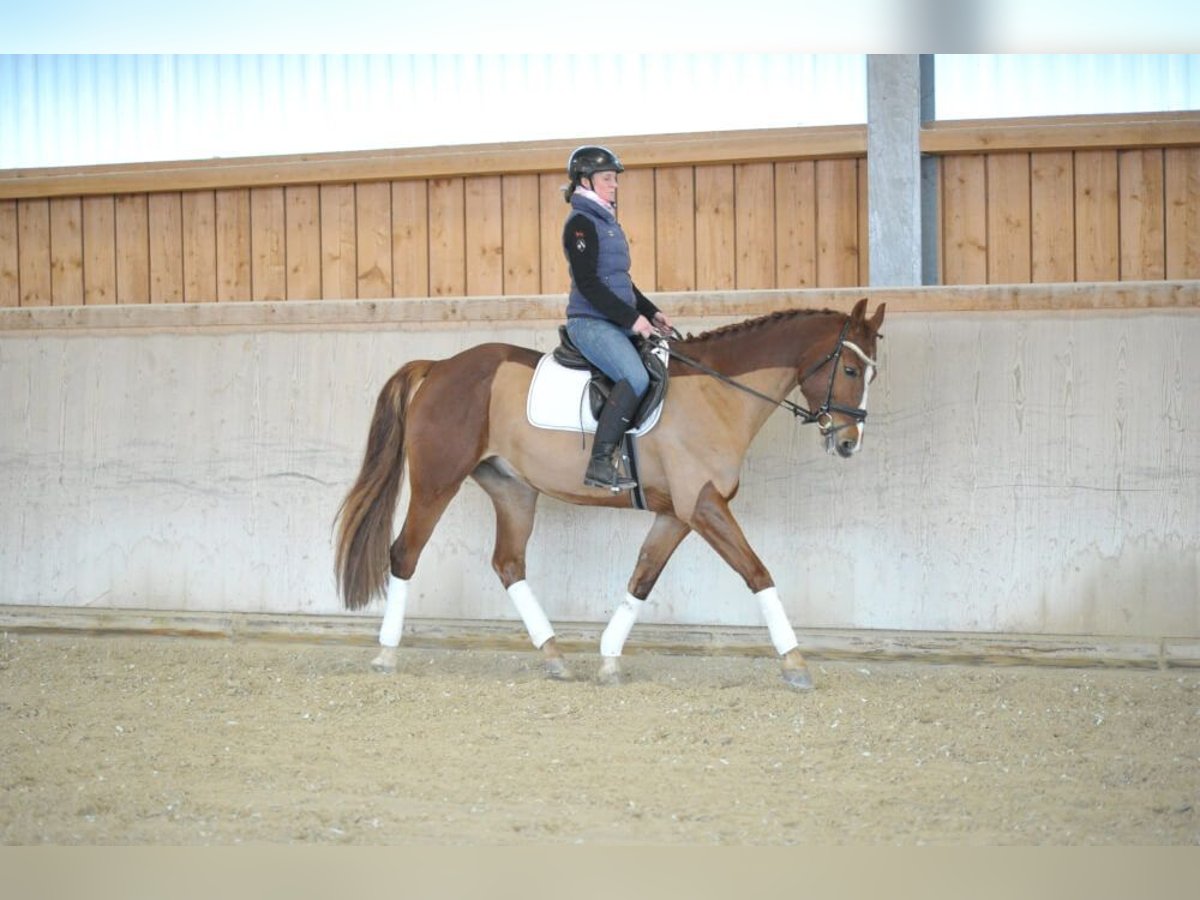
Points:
[[604, 468]]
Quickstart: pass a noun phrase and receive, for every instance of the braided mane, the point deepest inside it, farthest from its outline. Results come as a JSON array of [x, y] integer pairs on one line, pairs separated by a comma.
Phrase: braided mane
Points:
[[749, 325]]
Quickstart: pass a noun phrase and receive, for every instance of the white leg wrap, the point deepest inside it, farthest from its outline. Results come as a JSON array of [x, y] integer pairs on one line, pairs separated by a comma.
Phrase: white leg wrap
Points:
[[782, 635], [539, 627], [393, 612], [612, 641]]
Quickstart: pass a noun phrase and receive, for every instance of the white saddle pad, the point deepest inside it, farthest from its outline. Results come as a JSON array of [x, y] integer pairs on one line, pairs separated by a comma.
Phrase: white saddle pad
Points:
[[557, 399]]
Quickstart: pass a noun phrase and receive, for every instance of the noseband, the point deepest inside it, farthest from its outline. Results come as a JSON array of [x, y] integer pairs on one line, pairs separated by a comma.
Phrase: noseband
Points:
[[823, 416]]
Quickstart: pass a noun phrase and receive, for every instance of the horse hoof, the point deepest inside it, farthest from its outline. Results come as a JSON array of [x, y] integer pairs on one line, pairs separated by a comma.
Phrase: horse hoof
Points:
[[798, 679], [556, 670], [385, 662], [610, 672]]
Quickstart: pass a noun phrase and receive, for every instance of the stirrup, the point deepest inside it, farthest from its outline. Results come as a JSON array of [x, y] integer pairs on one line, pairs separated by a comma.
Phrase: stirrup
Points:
[[611, 478]]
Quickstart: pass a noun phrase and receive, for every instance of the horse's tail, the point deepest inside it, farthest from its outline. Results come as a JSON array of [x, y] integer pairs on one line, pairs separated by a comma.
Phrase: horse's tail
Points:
[[364, 520]]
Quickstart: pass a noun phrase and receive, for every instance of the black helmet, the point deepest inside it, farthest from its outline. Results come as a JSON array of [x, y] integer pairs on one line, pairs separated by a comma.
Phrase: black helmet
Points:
[[587, 161]]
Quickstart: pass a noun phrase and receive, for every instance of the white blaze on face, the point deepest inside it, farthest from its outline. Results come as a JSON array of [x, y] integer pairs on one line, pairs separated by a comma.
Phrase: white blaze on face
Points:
[[868, 373]]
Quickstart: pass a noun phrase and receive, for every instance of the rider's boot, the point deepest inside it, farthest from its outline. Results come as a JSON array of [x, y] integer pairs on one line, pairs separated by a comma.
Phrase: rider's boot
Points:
[[604, 468]]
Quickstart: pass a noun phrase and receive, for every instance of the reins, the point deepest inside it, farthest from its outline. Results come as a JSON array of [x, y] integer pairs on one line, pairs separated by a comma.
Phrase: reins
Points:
[[807, 416]]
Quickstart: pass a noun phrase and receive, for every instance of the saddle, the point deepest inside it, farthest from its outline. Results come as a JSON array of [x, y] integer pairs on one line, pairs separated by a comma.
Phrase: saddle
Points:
[[567, 355]]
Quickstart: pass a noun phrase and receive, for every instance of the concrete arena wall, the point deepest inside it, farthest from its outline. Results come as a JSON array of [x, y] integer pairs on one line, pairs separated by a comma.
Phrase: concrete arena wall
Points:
[[1023, 472]]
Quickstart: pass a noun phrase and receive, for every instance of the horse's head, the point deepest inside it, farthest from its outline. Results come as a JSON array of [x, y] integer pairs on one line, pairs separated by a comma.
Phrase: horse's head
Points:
[[836, 387]]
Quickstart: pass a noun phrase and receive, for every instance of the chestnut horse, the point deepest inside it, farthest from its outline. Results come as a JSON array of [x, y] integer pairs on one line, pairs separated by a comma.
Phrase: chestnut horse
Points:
[[464, 417]]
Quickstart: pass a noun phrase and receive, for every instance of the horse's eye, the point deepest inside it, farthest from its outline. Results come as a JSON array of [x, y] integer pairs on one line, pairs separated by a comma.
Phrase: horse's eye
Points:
[[850, 371]]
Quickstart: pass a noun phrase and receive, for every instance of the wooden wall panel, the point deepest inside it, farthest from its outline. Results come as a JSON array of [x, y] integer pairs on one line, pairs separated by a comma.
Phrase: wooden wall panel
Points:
[[447, 241], [1052, 216], [1025, 208], [837, 222], [964, 219], [199, 247], [66, 251], [864, 251], [373, 233], [99, 251], [302, 242], [339, 274], [636, 204], [268, 244], [234, 246], [675, 228], [1008, 218], [410, 239], [166, 248], [1097, 220], [483, 236], [521, 239], [10, 282], [133, 248], [1141, 210], [1181, 187], [716, 236], [754, 224]]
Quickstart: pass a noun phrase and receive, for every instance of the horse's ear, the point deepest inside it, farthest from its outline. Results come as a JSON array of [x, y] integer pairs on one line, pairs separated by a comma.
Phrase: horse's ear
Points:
[[860, 310], [877, 319]]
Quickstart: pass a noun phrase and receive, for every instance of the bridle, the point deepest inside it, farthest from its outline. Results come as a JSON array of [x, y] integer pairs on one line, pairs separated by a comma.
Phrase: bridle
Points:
[[823, 416]]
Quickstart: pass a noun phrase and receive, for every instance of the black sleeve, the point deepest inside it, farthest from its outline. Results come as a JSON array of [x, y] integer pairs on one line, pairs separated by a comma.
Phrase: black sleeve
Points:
[[582, 246], [644, 306]]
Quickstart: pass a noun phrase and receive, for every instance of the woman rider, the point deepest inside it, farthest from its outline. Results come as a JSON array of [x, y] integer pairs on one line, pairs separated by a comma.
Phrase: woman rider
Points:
[[605, 309]]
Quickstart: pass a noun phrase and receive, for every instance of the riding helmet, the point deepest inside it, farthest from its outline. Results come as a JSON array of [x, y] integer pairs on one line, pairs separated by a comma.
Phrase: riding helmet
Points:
[[587, 161]]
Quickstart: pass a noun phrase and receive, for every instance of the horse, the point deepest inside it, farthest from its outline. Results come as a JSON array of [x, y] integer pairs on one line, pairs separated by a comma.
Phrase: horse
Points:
[[464, 417]]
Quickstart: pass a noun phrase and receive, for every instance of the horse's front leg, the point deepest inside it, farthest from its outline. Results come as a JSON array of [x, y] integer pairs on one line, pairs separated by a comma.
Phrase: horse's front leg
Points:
[[712, 520], [660, 543]]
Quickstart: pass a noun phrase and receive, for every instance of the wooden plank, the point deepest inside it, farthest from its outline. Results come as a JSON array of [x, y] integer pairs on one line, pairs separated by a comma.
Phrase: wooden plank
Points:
[[1182, 196], [964, 220], [675, 228], [523, 157], [373, 232], [1159, 129], [199, 247], [1097, 220], [166, 248], [553, 213], [234, 245], [483, 236], [636, 213], [521, 234], [837, 222], [864, 253], [302, 242], [1052, 216], [447, 248], [796, 224], [33, 264], [10, 282], [339, 272], [410, 239], [545, 311], [268, 244], [133, 248], [66, 251], [1140, 195], [754, 224], [1008, 218], [716, 240], [99, 251]]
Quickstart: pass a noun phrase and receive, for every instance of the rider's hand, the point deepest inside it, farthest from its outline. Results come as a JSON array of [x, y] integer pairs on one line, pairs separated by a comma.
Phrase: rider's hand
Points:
[[663, 324], [643, 327]]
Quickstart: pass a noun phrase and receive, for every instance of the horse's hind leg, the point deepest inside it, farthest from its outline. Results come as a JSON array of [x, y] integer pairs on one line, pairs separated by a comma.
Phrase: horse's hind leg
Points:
[[516, 503], [665, 535]]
